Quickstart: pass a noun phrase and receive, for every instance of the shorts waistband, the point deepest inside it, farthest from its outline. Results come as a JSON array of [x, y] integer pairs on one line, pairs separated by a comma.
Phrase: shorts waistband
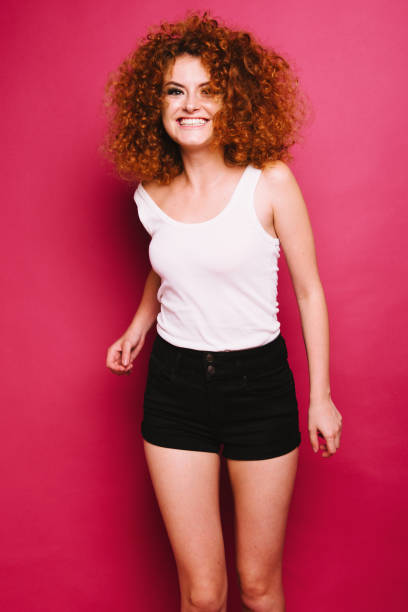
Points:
[[171, 353]]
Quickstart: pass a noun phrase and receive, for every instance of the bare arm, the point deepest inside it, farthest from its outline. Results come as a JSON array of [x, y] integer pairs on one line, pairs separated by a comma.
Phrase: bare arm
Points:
[[123, 352], [149, 306], [292, 225]]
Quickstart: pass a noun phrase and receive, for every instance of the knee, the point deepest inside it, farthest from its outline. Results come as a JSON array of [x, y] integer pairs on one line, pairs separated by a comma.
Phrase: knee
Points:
[[262, 590], [208, 598]]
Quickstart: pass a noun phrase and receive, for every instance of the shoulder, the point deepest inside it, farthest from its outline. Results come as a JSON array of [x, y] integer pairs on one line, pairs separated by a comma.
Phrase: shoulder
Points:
[[280, 185], [155, 190], [278, 173]]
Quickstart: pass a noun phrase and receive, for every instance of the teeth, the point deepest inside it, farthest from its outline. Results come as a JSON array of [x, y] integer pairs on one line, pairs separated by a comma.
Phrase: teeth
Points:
[[192, 121]]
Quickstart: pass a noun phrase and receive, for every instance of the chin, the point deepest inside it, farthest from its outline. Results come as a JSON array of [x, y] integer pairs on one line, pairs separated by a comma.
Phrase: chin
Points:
[[193, 140], [193, 145]]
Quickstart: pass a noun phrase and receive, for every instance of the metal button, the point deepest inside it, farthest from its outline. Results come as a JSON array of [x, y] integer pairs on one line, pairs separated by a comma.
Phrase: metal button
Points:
[[210, 357], [210, 369]]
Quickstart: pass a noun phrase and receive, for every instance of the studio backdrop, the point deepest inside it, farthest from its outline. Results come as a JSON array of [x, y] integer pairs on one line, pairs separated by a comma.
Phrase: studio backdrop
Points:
[[80, 527]]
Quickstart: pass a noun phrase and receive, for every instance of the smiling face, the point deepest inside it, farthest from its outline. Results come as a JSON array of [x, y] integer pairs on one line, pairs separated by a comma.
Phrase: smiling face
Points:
[[188, 105]]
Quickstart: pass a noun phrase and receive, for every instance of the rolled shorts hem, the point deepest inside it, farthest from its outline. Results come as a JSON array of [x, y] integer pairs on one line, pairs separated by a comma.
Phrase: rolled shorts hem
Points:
[[256, 454], [240, 454], [177, 443]]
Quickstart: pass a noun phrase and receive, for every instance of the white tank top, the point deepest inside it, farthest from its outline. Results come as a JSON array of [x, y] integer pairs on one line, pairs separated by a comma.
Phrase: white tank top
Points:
[[219, 278]]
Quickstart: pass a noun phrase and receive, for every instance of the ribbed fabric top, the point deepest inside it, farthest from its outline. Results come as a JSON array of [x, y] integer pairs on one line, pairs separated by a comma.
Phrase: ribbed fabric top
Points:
[[219, 277]]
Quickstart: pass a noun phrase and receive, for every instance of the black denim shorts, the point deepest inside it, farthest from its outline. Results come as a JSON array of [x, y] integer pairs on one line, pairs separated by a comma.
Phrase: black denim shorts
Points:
[[243, 401]]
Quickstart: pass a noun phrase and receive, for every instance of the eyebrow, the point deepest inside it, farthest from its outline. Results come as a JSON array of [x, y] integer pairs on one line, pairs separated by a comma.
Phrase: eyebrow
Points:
[[180, 85]]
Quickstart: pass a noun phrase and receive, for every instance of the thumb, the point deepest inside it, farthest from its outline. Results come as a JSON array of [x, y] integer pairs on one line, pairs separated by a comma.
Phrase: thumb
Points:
[[125, 352], [313, 439]]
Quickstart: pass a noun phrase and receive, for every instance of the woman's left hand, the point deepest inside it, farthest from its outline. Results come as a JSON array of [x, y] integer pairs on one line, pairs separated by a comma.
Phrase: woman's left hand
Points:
[[325, 421]]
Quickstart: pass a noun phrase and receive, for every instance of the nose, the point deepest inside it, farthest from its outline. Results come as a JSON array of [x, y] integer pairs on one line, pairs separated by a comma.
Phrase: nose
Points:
[[191, 104]]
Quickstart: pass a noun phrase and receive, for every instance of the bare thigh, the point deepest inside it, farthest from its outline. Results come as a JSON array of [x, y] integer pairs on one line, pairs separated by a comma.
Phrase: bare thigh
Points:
[[186, 485], [262, 493]]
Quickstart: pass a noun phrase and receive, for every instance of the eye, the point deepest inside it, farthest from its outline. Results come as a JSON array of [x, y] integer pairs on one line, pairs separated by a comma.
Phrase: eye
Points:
[[173, 90]]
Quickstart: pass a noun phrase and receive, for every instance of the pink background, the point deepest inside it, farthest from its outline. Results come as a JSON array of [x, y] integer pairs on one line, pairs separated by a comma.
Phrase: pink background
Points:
[[80, 528]]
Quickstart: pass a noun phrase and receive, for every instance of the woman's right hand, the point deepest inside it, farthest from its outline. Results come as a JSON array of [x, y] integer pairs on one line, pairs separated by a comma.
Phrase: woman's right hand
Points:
[[122, 353]]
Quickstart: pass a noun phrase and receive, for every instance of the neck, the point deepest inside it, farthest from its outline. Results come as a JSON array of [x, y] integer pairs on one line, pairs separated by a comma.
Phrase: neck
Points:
[[203, 168]]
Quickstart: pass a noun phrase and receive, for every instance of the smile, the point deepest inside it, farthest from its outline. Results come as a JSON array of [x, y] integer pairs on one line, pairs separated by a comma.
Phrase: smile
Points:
[[192, 123]]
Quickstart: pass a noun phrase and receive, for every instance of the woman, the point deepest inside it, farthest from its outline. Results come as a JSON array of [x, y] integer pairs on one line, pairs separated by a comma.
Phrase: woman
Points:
[[205, 116]]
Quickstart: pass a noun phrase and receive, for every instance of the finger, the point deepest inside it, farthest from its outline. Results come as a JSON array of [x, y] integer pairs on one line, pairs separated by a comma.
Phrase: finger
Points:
[[125, 352], [324, 451], [313, 439], [337, 440], [112, 365], [118, 368], [116, 357], [124, 372], [115, 371], [133, 354], [125, 368], [328, 451], [110, 357], [331, 446]]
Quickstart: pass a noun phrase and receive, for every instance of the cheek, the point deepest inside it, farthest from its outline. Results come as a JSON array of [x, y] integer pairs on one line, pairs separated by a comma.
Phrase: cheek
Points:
[[216, 106], [168, 110], [166, 121]]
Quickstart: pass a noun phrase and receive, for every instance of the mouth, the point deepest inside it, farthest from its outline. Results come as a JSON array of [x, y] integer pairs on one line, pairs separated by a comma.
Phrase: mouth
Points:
[[192, 122]]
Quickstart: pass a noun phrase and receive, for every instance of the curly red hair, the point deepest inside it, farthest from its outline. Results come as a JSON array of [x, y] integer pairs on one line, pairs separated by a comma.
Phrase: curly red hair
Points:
[[262, 107]]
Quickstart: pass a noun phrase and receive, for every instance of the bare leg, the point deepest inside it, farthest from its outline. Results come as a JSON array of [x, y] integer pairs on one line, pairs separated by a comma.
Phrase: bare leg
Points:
[[262, 493], [186, 484]]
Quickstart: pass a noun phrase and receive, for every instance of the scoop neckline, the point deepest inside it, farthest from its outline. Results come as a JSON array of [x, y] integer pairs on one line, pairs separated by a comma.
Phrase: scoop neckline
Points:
[[227, 207]]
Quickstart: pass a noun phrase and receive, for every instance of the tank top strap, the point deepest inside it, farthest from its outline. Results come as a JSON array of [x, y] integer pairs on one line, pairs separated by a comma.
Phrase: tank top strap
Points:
[[251, 179], [247, 190], [152, 218], [148, 216]]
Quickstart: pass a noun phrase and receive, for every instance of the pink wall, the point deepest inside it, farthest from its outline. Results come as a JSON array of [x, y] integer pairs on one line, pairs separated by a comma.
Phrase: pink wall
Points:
[[80, 528]]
